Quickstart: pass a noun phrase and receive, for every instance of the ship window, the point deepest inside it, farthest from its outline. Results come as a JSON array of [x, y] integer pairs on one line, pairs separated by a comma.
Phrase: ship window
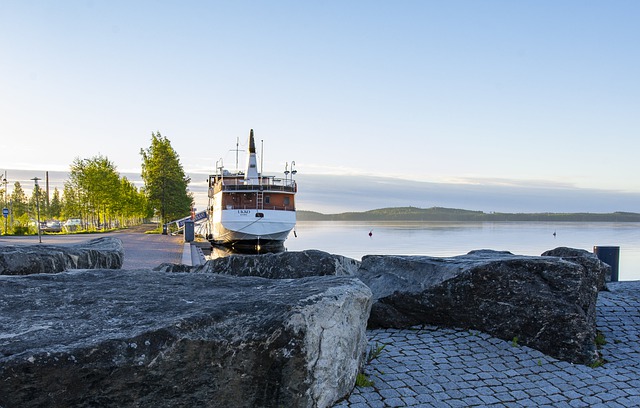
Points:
[[286, 201], [267, 199]]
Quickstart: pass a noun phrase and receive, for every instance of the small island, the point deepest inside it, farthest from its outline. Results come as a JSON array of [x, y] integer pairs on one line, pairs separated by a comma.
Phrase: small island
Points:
[[452, 214]]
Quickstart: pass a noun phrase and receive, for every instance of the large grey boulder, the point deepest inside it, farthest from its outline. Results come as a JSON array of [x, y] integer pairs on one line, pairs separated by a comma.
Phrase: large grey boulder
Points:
[[143, 338], [587, 259], [100, 253], [281, 265], [547, 303]]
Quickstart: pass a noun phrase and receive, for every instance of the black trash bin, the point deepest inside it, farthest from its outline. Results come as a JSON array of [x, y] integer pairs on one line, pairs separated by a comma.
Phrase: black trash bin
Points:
[[611, 256], [189, 231], [164, 229]]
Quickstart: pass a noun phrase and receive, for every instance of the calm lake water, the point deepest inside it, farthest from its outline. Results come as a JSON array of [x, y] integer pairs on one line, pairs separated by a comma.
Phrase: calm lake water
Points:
[[443, 239]]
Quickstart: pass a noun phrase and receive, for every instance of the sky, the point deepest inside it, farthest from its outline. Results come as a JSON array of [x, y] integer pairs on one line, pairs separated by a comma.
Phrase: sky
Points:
[[508, 99]]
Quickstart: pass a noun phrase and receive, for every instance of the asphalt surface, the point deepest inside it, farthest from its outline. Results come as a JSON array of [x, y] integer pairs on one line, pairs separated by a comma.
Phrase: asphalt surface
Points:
[[438, 367], [140, 250]]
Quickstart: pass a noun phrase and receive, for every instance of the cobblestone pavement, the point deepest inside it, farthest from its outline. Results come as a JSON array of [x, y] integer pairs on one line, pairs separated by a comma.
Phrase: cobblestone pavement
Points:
[[436, 367]]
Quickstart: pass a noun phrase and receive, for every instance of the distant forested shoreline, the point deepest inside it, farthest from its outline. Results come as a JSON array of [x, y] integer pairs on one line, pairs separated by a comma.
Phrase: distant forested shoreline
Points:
[[453, 214]]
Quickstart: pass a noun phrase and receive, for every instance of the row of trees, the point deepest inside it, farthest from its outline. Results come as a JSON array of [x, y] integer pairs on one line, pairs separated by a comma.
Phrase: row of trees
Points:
[[94, 193], [97, 194], [23, 208]]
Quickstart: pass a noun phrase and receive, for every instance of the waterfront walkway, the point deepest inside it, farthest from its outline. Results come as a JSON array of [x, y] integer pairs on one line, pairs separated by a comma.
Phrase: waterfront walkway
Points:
[[141, 251], [437, 367]]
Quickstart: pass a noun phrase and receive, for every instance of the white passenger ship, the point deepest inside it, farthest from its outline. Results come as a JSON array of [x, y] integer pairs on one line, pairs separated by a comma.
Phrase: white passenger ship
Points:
[[247, 208]]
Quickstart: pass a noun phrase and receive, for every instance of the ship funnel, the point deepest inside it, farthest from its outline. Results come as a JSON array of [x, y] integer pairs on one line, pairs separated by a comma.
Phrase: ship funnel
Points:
[[251, 173], [252, 143]]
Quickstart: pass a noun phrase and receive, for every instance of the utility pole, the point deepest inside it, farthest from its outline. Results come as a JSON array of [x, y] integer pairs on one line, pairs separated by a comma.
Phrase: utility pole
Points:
[[46, 197], [35, 191]]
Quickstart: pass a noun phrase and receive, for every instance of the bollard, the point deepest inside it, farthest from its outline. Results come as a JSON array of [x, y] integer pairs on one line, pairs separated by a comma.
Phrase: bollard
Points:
[[609, 255], [189, 232]]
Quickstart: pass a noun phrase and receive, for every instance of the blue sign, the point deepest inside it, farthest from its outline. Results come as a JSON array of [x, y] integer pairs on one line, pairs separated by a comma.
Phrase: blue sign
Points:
[[5, 212], [199, 216]]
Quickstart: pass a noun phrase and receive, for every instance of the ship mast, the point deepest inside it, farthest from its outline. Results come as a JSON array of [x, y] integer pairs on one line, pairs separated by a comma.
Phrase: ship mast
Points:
[[237, 150]]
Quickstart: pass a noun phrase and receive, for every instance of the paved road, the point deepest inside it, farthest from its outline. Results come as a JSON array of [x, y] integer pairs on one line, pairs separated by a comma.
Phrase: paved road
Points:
[[436, 367], [140, 250]]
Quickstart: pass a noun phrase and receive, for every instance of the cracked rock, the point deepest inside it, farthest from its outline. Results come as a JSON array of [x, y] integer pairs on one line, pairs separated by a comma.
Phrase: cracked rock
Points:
[[281, 265], [547, 303], [142, 338], [100, 253]]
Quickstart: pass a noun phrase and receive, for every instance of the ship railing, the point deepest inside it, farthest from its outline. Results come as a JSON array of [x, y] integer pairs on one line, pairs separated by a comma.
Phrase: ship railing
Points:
[[265, 207], [290, 188]]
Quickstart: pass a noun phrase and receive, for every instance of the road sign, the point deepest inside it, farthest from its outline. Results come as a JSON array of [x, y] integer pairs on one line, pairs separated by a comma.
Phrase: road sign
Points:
[[5, 212]]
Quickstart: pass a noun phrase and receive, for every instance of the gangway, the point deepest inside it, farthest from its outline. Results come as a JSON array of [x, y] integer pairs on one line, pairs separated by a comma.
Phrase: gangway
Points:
[[198, 219]]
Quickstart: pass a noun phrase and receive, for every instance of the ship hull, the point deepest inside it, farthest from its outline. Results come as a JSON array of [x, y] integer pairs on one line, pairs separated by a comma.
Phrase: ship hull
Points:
[[252, 227]]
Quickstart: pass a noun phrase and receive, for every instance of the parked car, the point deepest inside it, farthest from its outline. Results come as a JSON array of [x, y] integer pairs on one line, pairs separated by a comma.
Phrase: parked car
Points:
[[72, 224], [52, 226]]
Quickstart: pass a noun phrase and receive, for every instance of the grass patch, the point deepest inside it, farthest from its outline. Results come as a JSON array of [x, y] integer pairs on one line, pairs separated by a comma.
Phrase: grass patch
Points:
[[598, 363], [374, 352], [363, 381], [600, 340]]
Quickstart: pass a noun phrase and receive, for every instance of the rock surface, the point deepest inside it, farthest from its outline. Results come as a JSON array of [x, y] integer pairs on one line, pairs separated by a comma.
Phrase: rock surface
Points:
[[282, 265], [100, 253], [547, 303], [587, 259], [140, 338]]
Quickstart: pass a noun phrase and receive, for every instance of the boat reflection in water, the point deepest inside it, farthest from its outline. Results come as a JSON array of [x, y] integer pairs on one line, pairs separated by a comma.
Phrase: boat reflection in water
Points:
[[221, 251]]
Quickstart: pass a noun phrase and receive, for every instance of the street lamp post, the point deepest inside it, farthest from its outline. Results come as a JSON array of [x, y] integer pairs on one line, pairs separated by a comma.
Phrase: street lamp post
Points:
[[35, 182]]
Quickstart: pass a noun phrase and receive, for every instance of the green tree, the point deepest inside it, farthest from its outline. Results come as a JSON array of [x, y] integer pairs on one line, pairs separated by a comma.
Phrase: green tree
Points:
[[3, 193], [19, 201], [71, 203], [55, 206], [97, 194], [164, 179], [36, 203], [97, 187], [131, 206]]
